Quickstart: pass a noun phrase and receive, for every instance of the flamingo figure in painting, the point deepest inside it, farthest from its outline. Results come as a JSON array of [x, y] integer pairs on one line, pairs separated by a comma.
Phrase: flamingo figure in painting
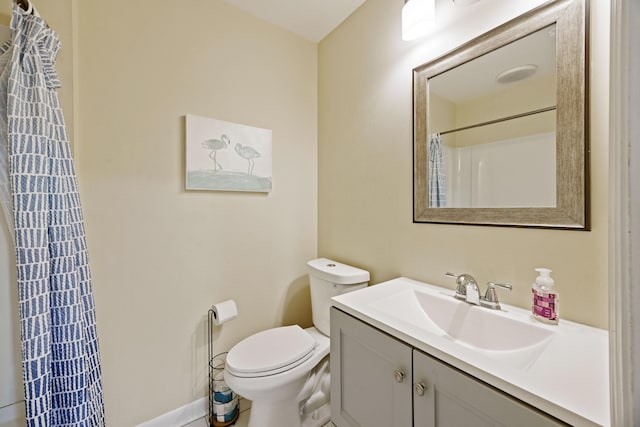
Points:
[[214, 145], [248, 153]]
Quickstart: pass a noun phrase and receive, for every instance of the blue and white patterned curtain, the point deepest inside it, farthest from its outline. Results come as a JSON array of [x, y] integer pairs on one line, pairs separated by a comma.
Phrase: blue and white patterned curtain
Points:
[[437, 175], [61, 360]]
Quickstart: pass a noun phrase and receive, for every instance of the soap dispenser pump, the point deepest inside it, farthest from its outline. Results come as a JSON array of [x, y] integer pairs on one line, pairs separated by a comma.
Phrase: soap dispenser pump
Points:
[[545, 298]]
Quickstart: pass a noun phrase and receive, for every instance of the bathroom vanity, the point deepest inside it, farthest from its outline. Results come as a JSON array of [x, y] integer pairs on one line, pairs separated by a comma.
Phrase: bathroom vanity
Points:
[[405, 353]]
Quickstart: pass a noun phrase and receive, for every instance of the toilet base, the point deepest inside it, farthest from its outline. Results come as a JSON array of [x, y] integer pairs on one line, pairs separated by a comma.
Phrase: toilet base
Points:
[[318, 418], [284, 413]]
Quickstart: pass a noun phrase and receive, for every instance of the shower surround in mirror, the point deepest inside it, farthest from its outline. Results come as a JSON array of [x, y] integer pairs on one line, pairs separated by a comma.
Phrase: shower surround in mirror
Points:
[[518, 172], [227, 156]]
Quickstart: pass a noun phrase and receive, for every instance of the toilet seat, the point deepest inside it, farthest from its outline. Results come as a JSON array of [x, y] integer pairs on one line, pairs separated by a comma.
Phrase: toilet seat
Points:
[[270, 352]]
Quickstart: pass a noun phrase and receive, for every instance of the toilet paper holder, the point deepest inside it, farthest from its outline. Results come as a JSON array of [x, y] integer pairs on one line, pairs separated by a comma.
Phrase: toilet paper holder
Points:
[[223, 402]]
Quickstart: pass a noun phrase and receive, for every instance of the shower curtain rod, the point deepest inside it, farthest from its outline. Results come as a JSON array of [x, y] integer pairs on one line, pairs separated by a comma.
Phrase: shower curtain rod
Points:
[[502, 119]]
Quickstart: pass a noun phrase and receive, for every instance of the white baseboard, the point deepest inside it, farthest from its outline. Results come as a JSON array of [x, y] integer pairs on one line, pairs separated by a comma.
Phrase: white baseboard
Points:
[[181, 416], [13, 415]]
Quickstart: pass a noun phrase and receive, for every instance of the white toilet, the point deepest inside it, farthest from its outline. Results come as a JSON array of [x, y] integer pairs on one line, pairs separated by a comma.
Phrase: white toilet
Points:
[[285, 371]]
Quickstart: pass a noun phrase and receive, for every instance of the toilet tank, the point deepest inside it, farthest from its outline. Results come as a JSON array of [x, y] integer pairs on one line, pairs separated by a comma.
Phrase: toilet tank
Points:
[[327, 279]]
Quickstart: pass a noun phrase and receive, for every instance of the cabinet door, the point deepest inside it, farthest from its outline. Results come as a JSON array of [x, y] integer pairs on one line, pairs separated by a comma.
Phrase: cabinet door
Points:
[[454, 399], [370, 376]]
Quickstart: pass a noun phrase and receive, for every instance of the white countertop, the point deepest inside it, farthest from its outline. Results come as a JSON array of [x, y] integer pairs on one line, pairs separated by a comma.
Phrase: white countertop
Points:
[[569, 378]]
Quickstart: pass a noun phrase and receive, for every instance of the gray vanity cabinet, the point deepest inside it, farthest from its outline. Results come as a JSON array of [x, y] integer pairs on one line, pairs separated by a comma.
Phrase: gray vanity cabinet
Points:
[[380, 381], [370, 376]]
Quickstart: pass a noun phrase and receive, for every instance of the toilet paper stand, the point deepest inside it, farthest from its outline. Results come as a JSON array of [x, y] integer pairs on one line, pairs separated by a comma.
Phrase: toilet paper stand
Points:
[[223, 402]]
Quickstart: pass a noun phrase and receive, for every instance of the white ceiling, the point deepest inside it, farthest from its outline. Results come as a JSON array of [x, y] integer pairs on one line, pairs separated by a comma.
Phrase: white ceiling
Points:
[[311, 19]]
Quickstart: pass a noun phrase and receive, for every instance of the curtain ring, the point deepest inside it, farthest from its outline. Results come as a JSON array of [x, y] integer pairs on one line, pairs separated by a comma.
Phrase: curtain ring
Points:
[[26, 5]]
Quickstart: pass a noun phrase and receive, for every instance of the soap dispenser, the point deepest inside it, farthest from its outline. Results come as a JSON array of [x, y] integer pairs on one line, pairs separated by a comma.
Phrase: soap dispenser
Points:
[[545, 298]]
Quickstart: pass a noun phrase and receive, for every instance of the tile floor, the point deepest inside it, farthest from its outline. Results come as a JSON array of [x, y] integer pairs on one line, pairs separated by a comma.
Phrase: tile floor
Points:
[[243, 419]]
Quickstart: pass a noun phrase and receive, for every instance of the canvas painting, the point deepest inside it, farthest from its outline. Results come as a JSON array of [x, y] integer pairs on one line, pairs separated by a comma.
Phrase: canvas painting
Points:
[[227, 156]]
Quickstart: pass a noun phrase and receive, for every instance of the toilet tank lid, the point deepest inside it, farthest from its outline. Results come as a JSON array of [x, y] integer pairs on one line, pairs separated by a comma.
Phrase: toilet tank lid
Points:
[[335, 272]]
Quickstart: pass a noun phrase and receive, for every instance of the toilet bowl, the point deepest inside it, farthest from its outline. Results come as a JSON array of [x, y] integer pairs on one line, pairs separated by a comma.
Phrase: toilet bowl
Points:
[[285, 371]]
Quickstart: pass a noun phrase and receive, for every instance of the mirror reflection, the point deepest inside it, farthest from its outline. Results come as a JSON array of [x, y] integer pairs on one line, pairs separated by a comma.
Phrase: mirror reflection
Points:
[[492, 124]]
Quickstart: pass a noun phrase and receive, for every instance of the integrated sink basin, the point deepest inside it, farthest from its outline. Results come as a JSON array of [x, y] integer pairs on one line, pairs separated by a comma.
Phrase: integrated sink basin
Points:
[[480, 327], [511, 338]]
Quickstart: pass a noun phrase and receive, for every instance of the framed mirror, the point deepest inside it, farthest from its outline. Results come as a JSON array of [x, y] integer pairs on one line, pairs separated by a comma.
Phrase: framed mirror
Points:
[[501, 125]]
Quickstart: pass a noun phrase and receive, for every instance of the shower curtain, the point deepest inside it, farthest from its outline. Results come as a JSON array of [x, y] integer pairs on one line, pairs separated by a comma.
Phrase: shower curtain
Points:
[[61, 361], [437, 177]]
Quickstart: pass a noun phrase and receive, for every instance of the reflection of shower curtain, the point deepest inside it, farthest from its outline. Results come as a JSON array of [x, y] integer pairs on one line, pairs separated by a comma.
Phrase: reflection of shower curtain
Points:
[[437, 176], [61, 366]]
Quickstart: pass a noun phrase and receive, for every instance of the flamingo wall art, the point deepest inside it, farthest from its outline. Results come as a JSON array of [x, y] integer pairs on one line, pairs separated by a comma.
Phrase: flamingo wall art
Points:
[[227, 156]]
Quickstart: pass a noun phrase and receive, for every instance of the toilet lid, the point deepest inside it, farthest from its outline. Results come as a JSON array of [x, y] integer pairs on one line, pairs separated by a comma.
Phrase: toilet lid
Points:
[[270, 350]]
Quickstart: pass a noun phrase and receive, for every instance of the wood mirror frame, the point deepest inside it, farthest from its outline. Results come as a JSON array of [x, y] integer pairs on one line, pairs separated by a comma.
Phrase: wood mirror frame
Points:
[[572, 146]]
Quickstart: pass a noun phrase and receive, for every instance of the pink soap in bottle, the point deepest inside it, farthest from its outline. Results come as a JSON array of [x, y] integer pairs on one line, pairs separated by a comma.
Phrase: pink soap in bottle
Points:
[[545, 298]]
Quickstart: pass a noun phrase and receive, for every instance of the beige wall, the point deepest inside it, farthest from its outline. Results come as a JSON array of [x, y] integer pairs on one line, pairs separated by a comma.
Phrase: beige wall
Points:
[[527, 96], [161, 256], [365, 168]]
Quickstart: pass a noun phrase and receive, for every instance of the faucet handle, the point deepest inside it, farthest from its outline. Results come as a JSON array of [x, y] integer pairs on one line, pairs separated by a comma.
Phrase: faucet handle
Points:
[[490, 299]]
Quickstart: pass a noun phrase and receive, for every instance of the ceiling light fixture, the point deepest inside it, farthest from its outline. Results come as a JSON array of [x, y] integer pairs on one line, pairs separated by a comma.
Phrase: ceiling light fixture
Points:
[[417, 15], [515, 74]]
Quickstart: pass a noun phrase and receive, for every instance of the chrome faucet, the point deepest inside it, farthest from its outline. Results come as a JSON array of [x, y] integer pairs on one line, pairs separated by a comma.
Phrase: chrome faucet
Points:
[[467, 290]]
